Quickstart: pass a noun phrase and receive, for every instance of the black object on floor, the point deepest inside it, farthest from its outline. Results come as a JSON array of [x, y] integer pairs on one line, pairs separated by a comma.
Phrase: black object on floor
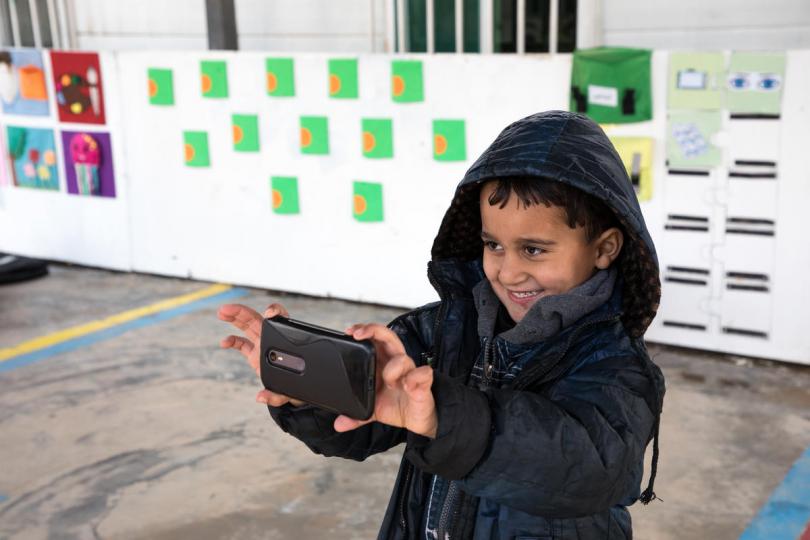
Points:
[[14, 269]]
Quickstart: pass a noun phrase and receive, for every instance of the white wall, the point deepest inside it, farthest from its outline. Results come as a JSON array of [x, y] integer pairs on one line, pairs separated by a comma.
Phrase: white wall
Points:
[[707, 24]]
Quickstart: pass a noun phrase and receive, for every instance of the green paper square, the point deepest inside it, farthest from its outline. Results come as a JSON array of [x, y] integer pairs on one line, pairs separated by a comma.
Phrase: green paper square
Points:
[[696, 80], [285, 194], [762, 76], [280, 77], [368, 202], [314, 135], [196, 148], [343, 78], [378, 139], [245, 132], [689, 136], [214, 78], [406, 81], [161, 86], [449, 141]]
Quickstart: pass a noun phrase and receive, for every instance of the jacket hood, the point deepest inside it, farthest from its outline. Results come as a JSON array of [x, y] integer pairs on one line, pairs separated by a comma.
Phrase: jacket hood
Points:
[[570, 148]]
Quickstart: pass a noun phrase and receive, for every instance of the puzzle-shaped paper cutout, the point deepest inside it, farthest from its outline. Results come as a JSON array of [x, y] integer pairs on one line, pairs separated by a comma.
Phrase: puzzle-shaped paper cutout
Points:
[[689, 139], [196, 148], [33, 157], [161, 86], [314, 135], [285, 194], [407, 85], [245, 129], [280, 77], [449, 140], [754, 84], [343, 78], [23, 89], [368, 202], [696, 81], [378, 140], [214, 78]]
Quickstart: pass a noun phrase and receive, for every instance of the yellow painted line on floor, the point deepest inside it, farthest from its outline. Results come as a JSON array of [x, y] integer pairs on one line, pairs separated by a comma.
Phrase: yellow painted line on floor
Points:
[[114, 320]]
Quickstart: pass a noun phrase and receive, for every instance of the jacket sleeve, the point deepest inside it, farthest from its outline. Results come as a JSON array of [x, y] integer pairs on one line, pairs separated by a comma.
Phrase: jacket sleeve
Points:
[[314, 427], [571, 451]]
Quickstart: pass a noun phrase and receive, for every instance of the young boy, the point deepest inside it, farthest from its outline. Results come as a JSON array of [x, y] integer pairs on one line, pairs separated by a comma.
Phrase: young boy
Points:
[[525, 396]]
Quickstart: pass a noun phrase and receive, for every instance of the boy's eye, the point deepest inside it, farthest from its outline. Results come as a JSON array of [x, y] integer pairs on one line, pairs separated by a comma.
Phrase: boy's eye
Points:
[[532, 250], [490, 245]]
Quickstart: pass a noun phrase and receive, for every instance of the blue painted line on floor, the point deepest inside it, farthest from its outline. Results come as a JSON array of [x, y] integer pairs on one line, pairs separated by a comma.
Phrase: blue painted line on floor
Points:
[[3, 498], [115, 331], [787, 512]]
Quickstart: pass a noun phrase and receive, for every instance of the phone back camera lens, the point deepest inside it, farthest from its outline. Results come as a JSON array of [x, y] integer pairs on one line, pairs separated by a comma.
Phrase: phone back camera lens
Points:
[[273, 356]]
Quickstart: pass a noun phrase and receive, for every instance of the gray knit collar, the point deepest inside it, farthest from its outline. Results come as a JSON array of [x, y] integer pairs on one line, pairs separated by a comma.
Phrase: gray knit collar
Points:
[[548, 315]]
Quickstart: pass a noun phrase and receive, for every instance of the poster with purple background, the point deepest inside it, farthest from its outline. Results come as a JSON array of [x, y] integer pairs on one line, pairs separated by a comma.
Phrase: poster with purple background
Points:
[[88, 163]]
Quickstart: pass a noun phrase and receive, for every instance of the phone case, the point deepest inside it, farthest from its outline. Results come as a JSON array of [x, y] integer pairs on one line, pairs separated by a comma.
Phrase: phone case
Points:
[[325, 368]]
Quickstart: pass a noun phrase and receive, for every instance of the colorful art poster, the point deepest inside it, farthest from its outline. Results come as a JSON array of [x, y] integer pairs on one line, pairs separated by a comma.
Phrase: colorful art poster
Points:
[[637, 156], [689, 139], [754, 83], [88, 163], [32, 153], [4, 161], [79, 89], [23, 89], [696, 80]]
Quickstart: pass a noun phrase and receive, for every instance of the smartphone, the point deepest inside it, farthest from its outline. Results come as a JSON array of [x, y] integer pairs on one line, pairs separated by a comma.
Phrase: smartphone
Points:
[[322, 367]]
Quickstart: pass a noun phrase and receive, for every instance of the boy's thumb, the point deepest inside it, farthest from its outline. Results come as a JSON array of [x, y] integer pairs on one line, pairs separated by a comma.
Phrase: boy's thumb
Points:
[[419, 379]]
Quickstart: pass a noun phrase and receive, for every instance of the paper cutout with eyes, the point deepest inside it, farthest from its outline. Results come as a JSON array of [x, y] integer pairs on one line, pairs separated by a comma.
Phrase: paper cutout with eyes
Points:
[[754, 82]]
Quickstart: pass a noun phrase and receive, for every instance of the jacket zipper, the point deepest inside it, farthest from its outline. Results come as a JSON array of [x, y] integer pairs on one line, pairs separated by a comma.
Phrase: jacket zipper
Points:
[[402, 495], [531, 376], [443, 531], [488, 367]]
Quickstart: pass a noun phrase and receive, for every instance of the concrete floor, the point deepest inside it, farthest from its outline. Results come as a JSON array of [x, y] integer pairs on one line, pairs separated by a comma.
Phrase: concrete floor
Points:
[[155, 433]]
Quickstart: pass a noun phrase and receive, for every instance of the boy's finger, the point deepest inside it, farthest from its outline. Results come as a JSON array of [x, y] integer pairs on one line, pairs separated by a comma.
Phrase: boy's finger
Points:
[[271, 398], [395, 369], [344, 423], [244, 318], [276, 309], [418, 380], [382, 335], [239, 343]]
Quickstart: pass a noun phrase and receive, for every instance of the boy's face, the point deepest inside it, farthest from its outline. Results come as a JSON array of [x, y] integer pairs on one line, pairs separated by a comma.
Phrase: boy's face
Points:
[[531, 252]]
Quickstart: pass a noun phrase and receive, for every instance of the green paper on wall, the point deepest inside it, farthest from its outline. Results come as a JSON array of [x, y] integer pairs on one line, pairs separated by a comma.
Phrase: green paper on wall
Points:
[[696, 80], [754, 83], [280, 77], [343, 78], [406, 81], [196, 148], [214, 78], [378, 139], [689, 135], [612, 85], [161, 86], [636, 154], [314, 135], [285, 194], [245, 132], [368, 202], [449, 140]]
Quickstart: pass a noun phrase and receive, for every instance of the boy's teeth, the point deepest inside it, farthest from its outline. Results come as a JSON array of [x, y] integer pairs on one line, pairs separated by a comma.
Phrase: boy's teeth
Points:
[[525, 294]]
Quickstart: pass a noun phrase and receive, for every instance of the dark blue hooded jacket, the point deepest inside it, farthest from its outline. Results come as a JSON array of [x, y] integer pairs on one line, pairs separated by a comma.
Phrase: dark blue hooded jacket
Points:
[[557, 452]]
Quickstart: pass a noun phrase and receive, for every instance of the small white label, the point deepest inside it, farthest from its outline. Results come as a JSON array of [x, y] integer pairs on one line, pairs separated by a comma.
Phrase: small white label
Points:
[[603, 95], [689, 79]]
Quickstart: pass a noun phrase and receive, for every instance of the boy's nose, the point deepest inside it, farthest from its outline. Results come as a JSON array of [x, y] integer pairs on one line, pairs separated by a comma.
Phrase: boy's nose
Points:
[[511, 273]]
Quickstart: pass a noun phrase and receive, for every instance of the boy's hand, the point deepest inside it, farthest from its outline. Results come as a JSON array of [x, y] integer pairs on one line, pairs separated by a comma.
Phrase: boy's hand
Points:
[[404, 398], [250, 323]]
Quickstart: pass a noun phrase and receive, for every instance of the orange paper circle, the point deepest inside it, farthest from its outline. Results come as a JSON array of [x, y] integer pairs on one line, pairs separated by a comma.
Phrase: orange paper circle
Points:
[[334, 84], [277, 199], [306, 137], [439, 144], [272, 81], [398, 85], [206, 83], [189, 152], [369, 142], [360, 205], [238, 134], [153, 88]]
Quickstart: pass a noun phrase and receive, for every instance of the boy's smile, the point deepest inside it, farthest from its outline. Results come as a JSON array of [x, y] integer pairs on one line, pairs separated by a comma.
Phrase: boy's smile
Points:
[[531, 252]]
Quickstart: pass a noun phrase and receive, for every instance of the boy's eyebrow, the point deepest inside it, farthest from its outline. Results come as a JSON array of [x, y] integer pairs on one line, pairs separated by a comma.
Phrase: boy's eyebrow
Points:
[[486, 236]]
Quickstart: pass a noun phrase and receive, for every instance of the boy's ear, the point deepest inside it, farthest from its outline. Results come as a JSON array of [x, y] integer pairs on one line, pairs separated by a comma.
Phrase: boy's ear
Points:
[[608, 246]]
